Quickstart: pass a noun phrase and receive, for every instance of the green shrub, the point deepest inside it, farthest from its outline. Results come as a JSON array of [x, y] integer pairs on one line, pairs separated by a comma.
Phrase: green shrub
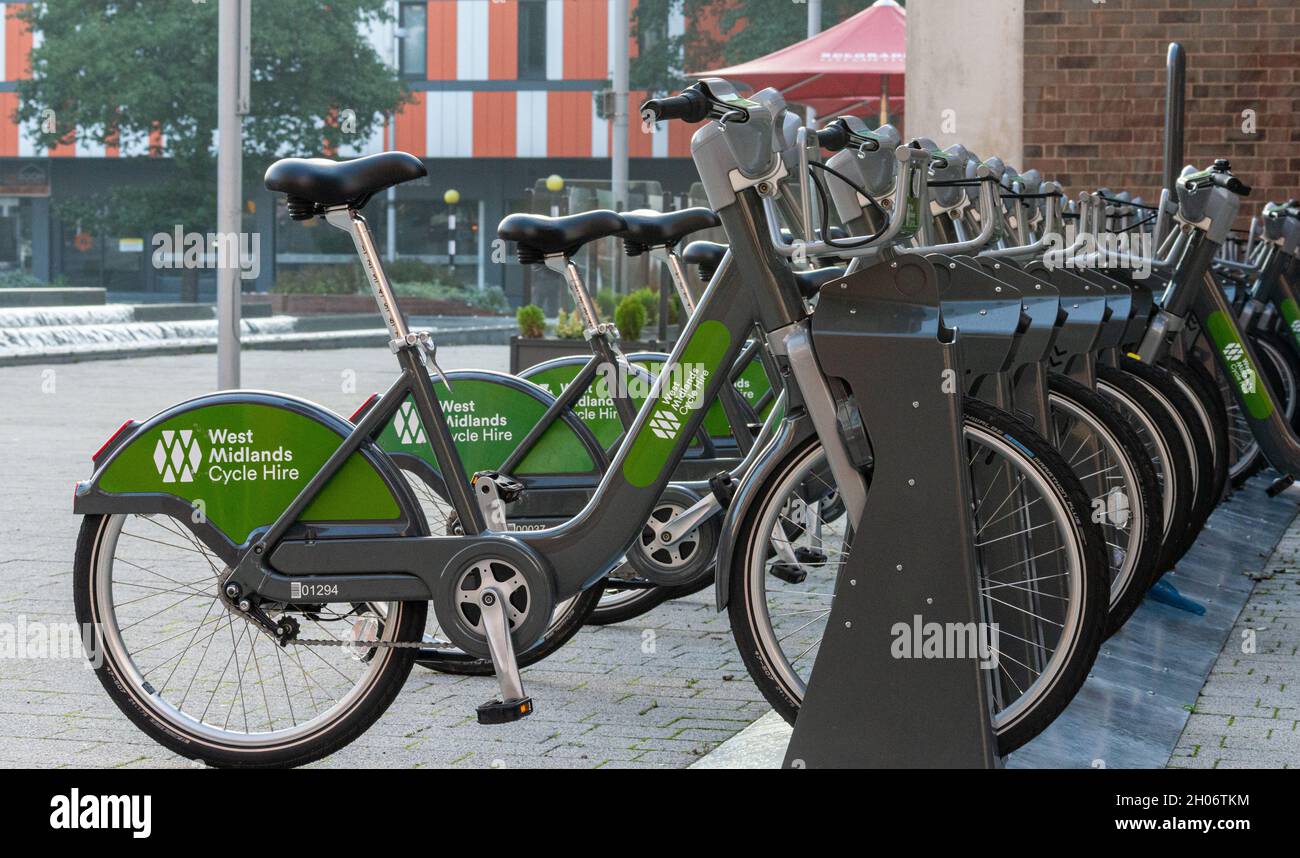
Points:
[[630, 316], [412, 270], [568, 326], [606, 301], [491, 299], [410, 278], [321, 280], [23, 280], [532, 321], [349, 278], [649, 299]]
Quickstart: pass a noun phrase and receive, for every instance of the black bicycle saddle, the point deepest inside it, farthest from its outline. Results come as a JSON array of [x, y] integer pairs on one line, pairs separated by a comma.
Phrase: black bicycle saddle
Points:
[[314, 184], [647, 229], [539, 236]]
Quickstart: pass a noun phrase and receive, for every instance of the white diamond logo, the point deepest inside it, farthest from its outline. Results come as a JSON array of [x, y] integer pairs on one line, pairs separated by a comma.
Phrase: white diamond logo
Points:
[[665, 424], [408, 426], [1233, 352], [177, 456]]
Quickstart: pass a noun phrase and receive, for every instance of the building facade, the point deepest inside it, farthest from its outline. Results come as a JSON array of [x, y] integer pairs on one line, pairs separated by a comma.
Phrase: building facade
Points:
[[504, 93], [1076, 88]]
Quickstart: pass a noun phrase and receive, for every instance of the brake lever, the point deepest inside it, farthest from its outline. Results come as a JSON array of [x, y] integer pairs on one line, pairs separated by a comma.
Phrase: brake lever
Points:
[[740, 116], [867, 146]]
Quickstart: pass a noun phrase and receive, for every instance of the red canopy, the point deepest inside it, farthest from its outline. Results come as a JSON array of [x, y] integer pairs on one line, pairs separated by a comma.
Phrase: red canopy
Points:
[[860, 60]]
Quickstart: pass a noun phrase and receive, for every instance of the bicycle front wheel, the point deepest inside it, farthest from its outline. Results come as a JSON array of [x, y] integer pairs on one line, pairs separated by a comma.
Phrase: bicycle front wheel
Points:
[[1111, 464], [1041, 565]]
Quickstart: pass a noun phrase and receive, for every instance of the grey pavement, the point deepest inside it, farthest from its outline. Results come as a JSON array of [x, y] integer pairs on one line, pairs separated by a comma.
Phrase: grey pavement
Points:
[[658, 692], [1248, 713]]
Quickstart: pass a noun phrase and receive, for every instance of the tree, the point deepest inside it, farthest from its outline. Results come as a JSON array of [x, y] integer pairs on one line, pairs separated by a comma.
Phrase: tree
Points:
[[718, 33], [115, 72]]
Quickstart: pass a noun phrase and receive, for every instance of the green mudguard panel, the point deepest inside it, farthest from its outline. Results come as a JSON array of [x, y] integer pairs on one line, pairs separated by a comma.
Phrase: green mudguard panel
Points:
[[489, 414], [596, 407], [243, 462]]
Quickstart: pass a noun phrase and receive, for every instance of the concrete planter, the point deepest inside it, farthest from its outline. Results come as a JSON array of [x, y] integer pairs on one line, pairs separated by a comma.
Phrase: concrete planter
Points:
[[314, 305], [530, 351]]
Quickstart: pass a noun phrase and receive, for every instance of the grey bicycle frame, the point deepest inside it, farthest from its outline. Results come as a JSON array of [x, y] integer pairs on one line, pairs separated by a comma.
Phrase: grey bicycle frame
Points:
[[750, 288], [1195, 295]]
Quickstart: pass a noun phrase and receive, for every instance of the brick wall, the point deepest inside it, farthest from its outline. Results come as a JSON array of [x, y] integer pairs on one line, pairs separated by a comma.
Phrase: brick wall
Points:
[[1094, 91]]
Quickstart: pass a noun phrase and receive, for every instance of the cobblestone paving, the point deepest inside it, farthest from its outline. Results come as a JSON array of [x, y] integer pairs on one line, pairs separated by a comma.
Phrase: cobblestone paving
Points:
[[1248, 713], [658, 692]]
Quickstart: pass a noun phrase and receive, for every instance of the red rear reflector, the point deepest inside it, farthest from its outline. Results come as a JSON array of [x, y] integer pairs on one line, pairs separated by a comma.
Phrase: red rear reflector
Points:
[[111, 439], [365, 406]]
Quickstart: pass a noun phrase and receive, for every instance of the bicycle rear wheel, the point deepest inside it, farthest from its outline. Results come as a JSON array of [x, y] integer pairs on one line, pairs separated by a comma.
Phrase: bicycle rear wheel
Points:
[[202, 679]]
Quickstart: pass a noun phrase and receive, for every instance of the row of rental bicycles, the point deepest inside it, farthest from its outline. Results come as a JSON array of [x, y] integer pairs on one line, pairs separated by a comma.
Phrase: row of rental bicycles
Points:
[[262, 574]]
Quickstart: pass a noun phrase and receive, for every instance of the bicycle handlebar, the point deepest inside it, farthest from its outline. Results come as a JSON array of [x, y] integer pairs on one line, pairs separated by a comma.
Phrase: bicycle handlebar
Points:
[[1231, 183], [691, 105], [839, 135], [833, 137], [1217, 176]]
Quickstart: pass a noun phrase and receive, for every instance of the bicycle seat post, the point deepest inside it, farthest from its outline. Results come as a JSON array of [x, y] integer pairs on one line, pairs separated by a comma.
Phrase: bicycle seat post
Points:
[[593, 328], [350, 221], [677, 270], [601, 336]]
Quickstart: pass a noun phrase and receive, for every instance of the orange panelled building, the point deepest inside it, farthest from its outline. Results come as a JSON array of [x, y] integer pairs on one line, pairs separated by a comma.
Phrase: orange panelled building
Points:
[[504, 94], [490, 79], [514, 79]]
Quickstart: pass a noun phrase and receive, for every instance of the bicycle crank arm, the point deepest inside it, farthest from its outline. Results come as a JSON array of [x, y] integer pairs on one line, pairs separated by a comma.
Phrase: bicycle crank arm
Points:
[[514, 704], [681, 526]]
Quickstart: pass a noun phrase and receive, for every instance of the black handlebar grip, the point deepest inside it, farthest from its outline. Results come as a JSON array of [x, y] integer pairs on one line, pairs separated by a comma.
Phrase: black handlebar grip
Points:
[[691, 106], [833, 137], [1232, 183]]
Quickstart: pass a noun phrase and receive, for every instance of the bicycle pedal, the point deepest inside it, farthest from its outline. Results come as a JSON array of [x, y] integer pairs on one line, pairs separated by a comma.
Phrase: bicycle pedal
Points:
[[812, 556], [723, 487], [790, 573], [496, 712], [1279, 485], [508, 488]]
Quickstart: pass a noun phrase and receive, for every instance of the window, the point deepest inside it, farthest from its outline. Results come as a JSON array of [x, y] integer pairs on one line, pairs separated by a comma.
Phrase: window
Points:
[[532, 40], [412, 41]]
